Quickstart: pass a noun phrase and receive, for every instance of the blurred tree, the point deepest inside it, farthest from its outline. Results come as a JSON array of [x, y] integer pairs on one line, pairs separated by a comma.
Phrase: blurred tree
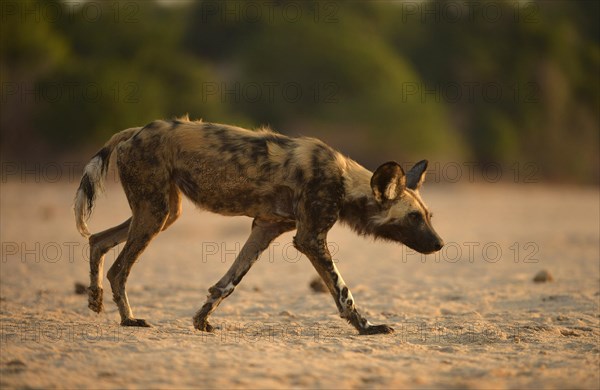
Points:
[[135, 61], [492, 81], [30, 48], [334, 77], [542, 57]]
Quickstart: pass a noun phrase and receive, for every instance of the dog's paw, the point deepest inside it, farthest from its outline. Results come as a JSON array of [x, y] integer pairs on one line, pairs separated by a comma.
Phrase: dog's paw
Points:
[[377, 329], [203, 325], [135, 322], [95, 299]]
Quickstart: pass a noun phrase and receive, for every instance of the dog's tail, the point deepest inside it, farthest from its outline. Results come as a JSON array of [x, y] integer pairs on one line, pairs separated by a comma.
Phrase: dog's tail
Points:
[[92, 181]]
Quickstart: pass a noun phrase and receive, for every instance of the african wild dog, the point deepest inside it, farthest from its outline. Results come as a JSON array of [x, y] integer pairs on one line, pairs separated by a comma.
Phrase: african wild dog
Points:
[[283, 183]]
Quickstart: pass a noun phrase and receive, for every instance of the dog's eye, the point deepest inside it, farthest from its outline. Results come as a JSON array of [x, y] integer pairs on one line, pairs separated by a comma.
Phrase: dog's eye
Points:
[[415, 217]]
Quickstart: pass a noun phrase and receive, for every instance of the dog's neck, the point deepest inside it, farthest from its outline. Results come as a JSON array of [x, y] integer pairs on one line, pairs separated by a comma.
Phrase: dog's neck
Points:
[[359, 203]]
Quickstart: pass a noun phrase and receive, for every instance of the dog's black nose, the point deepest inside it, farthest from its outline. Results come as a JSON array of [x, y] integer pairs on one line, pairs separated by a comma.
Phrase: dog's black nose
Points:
[[439, 245]]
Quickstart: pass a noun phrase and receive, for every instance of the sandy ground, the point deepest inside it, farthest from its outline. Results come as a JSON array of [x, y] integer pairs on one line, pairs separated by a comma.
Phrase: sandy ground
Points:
[[470, 317]]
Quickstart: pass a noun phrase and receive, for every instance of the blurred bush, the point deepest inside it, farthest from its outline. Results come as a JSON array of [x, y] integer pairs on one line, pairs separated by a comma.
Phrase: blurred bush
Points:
[[495, 81]]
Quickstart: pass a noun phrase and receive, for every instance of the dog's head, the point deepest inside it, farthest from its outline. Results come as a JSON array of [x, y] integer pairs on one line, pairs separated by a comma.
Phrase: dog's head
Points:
[[402, 216]]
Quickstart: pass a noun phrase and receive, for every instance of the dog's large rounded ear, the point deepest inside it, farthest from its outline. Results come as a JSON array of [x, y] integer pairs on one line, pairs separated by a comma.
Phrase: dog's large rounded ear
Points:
[[416, 176], [388, 182]]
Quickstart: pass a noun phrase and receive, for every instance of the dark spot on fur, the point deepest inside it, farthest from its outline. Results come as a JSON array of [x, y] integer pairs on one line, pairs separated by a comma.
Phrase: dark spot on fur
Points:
[[334, 276], [279, 140], [153, 125], [175, 123], [186, 183], [148, 153], [211, 126], [321, 155], [299, 175], [88, 189], [324, 196], [150, 126], [345, 293], [136, 142], [218, 131], [104, 155], [355, 214]]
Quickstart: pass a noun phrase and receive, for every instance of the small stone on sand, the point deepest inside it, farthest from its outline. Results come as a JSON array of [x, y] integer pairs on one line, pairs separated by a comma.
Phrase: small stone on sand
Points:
[[80, 288], [318, 286], [569, 332], [542, 277], [15, 366]]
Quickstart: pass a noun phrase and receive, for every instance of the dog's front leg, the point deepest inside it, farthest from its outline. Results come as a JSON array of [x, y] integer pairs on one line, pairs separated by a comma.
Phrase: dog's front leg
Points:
[[315, 248], [261, 236]]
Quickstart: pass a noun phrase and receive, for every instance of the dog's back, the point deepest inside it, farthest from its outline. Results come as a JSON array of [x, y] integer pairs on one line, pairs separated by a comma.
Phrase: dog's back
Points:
[[227, 169]]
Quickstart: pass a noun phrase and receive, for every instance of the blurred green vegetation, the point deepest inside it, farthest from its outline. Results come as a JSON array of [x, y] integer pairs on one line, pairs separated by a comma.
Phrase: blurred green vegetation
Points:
[[495, 81]]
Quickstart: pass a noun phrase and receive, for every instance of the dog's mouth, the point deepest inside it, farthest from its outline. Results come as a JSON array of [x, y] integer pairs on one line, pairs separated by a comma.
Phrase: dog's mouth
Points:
[[433, 248], [429, 244]]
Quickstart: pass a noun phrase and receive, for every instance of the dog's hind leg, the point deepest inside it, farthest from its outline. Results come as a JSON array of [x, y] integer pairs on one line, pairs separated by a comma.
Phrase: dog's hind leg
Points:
[[146, 223], [100, 243], [147, 185], [263, 233]]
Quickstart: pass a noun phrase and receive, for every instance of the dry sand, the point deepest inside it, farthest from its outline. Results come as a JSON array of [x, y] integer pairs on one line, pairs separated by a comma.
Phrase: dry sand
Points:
[[469, 318]]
